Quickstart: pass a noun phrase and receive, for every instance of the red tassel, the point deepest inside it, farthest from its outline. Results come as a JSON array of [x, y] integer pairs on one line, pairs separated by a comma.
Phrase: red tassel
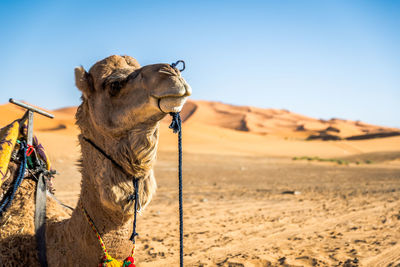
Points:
[[129, 262]]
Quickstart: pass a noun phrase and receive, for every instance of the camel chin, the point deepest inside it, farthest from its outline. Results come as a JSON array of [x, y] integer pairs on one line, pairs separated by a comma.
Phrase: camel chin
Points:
[[171, 104]]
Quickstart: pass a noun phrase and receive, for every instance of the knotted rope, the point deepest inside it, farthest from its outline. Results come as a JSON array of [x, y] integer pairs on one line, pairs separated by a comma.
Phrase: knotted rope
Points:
[[177, 63], [176, 126], [107, 260], [136, 196]]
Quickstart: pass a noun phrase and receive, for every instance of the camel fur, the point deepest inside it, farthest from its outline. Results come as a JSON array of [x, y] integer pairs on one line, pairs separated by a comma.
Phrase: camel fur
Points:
[[122, 104]]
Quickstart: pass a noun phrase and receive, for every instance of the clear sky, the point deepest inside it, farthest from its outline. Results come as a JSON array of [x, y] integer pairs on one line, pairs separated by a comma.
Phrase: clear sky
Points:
[[319, 58]]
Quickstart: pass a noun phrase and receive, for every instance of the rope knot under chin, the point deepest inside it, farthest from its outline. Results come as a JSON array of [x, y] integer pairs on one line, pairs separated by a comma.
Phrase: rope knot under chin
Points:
[[176, 122]]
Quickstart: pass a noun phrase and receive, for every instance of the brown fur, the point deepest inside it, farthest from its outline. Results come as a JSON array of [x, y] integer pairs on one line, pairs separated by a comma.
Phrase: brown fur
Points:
[[125, 125]]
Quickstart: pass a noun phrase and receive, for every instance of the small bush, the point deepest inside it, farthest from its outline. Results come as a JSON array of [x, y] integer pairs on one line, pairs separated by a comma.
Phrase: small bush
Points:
[[338, 161]]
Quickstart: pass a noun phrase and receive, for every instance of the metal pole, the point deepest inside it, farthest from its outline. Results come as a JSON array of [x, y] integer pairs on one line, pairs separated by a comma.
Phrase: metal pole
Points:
[[30, 127], [40, 208], [29, 107]]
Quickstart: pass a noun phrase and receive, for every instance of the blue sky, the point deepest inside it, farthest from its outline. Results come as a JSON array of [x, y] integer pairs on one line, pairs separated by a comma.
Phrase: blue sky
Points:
[[319, 58]]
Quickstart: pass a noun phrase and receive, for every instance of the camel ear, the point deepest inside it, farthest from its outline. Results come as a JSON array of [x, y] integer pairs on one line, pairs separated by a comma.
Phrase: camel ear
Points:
[[83, 81]]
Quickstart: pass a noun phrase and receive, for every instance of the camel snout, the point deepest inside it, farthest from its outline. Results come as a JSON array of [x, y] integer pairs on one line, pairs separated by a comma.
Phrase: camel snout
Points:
[[188, 89]]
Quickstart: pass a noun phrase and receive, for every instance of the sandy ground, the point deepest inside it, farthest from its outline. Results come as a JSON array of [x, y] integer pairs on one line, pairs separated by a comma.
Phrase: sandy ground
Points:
[[236, 215], [235, 211]]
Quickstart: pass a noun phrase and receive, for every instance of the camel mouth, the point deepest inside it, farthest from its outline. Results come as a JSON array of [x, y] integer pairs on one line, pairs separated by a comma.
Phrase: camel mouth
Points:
[[171, 103], [172, 100]]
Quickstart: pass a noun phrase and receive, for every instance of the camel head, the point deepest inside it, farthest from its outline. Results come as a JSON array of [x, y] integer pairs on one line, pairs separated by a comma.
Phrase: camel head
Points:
[[122, 95], [122, 104]]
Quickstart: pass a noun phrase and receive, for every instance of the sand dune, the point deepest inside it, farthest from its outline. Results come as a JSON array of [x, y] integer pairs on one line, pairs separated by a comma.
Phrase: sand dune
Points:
[[216, 128], [237, 163], [266, 122], [63, 120], [68, 111], [281, 123]]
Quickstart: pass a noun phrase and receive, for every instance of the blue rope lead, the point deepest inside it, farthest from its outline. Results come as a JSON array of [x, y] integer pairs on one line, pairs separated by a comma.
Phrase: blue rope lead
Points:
[[136, 198], [176, 126], [6, 201]]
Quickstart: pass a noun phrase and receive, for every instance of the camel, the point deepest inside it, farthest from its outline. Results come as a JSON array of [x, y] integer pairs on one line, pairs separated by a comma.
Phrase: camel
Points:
[[122, 105]]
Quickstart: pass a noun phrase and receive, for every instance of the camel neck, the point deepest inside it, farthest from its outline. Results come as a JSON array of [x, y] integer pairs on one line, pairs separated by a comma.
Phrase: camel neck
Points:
[[108, 173], [134, 151], [106, 190], [116, 164]]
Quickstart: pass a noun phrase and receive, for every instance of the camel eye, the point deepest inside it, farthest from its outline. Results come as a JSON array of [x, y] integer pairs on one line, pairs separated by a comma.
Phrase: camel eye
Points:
[[115, 87]]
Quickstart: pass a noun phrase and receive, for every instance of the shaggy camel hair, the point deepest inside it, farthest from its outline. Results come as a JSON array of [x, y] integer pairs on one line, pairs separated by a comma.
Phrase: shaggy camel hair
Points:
[[122, 104]]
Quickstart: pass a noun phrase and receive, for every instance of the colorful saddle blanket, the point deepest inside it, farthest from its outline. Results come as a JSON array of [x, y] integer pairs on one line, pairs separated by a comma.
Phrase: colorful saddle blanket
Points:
[[9, 136]]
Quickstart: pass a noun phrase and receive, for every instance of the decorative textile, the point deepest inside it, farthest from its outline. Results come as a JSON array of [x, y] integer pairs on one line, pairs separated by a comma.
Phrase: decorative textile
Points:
[[8, 138], [38, 147], [8, 143]]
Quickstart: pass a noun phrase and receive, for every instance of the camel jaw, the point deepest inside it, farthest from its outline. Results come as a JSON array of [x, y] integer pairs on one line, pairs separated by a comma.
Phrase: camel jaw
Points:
[[171, 103], [173, 98]]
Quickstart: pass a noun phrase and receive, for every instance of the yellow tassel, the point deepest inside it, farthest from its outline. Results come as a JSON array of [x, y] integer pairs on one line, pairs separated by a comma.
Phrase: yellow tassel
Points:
[[113, 262]]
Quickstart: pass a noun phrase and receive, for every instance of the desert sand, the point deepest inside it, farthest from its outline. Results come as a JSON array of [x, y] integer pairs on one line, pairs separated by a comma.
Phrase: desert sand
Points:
[[256, 191]]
